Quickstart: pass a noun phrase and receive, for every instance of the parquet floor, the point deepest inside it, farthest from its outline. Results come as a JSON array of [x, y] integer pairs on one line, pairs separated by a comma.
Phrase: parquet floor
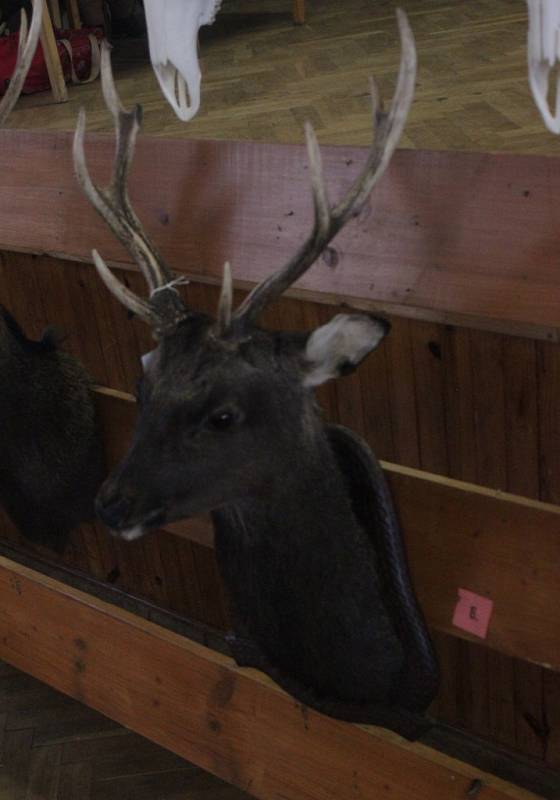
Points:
[[263, 76], [53, 748]]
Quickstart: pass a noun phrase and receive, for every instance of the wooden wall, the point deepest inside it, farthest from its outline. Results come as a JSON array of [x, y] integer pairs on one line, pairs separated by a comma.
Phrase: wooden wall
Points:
[[467, 385], [472, 405]]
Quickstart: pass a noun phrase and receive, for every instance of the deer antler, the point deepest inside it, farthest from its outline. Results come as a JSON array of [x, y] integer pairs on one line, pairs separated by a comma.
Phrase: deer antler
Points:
[[26, 51], [165, 308], [388, 126]]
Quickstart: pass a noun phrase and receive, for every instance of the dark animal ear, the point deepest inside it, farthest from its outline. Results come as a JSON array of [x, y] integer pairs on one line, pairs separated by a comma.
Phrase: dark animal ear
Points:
[[338, 347]]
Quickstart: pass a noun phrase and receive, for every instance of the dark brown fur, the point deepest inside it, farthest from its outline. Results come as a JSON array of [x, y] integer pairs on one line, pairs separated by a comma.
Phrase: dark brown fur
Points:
[[52, 460]]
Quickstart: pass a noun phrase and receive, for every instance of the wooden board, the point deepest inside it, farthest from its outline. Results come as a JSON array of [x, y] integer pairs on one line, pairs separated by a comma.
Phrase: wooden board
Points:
[[232, 722], [52, 58], [458, 535], [494, 544], [470, 238]]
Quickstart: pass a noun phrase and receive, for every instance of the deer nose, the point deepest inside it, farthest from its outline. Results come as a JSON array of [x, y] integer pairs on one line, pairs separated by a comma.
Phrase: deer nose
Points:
[[113, 511]]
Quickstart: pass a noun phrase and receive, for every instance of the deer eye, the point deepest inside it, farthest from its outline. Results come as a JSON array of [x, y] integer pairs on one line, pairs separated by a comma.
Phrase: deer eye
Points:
[[222, 420]]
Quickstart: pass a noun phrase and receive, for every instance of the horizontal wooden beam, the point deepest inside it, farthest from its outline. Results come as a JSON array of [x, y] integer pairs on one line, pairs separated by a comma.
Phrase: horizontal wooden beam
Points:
[[232, 722], [469, 238], [500, 546], [458, 535]]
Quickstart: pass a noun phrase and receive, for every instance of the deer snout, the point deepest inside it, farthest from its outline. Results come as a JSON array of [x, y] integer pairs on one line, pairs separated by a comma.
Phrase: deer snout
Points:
[[112, 509], [126, 512]]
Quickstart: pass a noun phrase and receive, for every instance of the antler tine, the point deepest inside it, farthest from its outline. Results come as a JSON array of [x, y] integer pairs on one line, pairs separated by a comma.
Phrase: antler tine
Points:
[[26, 50], [113, 204], [226, 301], [388, 127], [122, 293]]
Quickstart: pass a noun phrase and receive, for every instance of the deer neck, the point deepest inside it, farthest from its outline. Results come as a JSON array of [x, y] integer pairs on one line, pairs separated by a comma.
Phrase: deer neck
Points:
[[308, 502]]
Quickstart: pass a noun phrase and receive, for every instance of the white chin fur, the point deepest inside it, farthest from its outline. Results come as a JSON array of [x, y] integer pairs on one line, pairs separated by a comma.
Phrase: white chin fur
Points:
[[130, 534]]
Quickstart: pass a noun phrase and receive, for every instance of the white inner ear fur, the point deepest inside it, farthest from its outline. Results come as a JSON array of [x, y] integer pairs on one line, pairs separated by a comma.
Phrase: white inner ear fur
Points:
[[345, 340]]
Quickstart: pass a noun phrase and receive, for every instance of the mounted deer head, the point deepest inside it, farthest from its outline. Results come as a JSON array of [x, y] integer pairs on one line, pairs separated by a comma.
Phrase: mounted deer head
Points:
[[306, 538], [219, 396], [52, 460]]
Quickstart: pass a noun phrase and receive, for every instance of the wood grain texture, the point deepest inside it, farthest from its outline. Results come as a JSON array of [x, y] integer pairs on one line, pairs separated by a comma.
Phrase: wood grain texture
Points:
[[430, 243], [54, 748], [298, 10], [52, 60], [230, 721]]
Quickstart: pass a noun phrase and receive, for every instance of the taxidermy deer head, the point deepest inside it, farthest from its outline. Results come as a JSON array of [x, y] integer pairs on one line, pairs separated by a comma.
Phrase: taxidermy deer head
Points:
[[173, 27], [306, 538], [52, 462]]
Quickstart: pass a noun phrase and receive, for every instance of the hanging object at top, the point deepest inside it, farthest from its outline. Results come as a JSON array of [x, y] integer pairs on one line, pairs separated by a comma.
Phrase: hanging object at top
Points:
[[173, 27], [543, 55]]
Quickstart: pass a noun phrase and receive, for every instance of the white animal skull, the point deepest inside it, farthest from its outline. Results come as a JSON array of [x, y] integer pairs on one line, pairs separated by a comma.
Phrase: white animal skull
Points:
[[543, 55], [173, 27]]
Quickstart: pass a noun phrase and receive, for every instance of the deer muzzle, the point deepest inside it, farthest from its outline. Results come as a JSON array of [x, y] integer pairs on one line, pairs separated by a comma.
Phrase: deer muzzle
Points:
[[120, 513]]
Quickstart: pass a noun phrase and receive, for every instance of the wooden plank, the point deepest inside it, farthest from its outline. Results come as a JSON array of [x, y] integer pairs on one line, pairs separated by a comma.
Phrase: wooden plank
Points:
[[522, 416], [232, 722], [458, 535], [402, 395], [498, 545], [73, 11], [460, 380], [489, 409], [550, 733], [429, 244], [373, 381], [548, 367], [502, 710], [54, 10], [429, 373], [532, 717], [298, 11], [52, 60]]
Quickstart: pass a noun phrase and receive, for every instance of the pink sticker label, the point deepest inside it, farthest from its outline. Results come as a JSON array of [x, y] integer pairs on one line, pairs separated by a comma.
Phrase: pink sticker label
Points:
[[472, 613]]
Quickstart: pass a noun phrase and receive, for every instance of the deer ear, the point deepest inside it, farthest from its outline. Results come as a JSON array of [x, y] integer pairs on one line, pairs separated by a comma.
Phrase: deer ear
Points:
[[338, 347]]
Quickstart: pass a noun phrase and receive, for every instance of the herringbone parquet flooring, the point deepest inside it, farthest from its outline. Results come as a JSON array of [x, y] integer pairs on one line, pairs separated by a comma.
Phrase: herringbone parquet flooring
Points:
[[53, 748], [262, 76]]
